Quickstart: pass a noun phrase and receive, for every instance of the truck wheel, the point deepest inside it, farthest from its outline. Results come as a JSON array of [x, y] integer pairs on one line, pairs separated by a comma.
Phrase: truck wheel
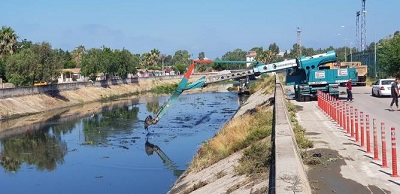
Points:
[[301, 98]]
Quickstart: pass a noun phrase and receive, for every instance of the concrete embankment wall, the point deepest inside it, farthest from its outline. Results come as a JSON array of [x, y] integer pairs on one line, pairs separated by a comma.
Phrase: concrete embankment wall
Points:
[[21, 91], [289, 174]]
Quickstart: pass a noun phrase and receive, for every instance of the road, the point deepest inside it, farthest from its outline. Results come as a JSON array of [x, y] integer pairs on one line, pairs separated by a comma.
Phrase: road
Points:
[[378, 108]]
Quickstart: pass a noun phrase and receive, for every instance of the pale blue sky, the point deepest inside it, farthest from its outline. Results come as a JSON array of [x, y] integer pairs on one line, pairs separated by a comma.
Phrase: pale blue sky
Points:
[[211, 26]]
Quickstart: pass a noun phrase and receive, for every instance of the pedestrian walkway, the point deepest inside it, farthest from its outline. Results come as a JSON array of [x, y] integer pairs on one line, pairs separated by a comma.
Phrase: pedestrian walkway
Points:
[[359, 166]]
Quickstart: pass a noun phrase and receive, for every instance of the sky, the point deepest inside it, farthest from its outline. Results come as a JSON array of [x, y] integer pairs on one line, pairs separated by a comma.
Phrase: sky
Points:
[[214, 27]]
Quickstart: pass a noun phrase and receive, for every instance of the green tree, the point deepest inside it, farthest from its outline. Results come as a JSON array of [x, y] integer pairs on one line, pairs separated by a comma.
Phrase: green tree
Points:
[[181, 57], [388, 52], [180, 68], [235, 55], [50, 63], [22, 67], [168, 61], [264, 56], [108, 64], [91, 63], [3, 77], [126, 63], [8, 41], [155, 57]]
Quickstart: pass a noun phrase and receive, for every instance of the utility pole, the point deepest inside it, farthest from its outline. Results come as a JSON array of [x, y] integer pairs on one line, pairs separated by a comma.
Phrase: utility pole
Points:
[[358, 31]]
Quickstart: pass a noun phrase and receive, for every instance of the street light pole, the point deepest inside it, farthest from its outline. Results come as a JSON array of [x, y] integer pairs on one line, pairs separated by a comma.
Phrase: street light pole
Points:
[[376, 74], [345, 50]]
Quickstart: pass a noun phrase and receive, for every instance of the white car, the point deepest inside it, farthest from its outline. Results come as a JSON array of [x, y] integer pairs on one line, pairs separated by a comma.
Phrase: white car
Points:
[[382, 87]]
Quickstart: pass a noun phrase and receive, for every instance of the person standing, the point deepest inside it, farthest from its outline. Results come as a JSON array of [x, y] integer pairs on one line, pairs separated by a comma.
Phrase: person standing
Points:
[[394, 91], [348, 90]]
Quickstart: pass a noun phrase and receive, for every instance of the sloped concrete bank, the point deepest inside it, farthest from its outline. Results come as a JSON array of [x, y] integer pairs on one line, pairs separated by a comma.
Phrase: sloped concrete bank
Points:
[[288, 171], [220, 177]]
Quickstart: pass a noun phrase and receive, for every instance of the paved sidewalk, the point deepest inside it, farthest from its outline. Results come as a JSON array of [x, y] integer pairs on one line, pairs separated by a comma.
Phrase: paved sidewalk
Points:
[[358, 166]]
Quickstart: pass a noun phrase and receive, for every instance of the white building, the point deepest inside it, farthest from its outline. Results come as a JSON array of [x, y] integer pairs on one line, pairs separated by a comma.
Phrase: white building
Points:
[[251, 56]]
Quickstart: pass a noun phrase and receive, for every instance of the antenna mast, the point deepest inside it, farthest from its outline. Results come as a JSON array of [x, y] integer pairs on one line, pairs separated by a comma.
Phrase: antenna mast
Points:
[[299, 40], [363, 27]]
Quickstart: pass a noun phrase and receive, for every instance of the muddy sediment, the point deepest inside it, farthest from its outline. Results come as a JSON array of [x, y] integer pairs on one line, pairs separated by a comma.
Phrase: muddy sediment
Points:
[[325, 177]]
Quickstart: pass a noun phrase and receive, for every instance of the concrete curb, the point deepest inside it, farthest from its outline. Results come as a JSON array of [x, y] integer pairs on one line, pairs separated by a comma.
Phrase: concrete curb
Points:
[[290, 173]]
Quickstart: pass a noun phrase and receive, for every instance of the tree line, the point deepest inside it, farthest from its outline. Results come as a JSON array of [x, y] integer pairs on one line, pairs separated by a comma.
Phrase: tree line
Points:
[[23, 62]]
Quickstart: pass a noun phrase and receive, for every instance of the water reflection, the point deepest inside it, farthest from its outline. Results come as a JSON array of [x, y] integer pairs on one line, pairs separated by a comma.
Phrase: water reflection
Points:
[[98, 127], [153, 105], [44, 149], [99, 148], [151, 148], [242, 99]]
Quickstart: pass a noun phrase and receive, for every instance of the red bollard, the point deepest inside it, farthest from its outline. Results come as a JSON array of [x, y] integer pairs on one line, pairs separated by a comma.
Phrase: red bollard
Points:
[[330, 106], [337, 111], [384, 159], [394, 156], [347, 118], [324, 102], [362, 128], [356, 123], [341, 114], [351, 121], [335, 108], [376, 153], [368, 134]]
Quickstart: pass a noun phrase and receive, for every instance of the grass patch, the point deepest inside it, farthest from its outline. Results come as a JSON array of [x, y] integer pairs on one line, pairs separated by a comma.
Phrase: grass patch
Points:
[[237, 134], [256, 158], [300, 133], [164, 89], [266, 82]]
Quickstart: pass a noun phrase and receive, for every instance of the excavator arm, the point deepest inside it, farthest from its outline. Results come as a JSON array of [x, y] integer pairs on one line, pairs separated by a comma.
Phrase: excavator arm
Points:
[[182, 86], [257, 69]]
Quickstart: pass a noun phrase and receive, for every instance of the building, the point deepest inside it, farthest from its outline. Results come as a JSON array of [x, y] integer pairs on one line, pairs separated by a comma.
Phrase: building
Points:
[[71, 75], [251, 56]]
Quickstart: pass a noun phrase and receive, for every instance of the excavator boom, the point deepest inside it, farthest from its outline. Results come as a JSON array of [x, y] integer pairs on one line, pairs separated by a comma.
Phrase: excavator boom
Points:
[[299, 65]]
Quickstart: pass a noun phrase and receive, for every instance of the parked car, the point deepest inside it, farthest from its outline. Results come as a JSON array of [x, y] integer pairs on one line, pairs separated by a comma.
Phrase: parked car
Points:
[[382, 87]]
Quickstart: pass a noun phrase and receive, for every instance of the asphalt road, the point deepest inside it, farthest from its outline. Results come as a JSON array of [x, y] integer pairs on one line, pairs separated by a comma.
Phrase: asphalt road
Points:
[[376, 107]]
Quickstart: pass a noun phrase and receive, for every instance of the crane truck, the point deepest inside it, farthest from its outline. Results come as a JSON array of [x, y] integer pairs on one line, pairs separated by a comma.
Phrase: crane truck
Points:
[[362, 71], [307, 74]]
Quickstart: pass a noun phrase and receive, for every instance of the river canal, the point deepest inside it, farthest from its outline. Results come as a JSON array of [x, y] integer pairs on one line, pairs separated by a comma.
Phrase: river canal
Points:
[[109, 151]]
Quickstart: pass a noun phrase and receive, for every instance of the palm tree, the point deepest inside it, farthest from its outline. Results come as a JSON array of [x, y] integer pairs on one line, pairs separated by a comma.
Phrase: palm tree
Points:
[[8, 41], [155, 57]]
